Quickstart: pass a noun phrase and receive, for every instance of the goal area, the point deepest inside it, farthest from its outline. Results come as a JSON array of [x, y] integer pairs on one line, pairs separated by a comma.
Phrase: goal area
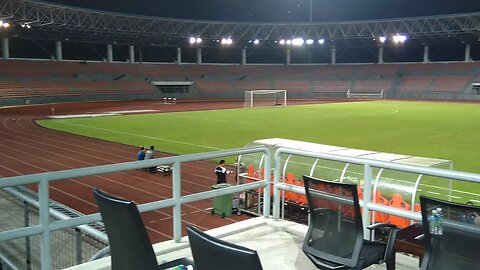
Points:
[[264, 98], [378, 94]]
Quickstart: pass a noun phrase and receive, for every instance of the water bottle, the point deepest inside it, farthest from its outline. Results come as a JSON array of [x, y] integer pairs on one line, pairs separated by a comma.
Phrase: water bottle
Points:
[[433, 222], [439, 221]]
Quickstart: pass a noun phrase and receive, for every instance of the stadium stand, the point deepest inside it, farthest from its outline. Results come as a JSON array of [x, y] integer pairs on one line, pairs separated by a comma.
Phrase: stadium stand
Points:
[[332, 86], [51, 88], [451, 83], [372, 86], [13, 89], [293, 86], [100, 81], [214, 86], [415, 83]]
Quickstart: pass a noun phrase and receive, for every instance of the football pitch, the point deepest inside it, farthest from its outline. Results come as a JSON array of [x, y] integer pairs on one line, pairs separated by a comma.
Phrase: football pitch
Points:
[[427, 129]]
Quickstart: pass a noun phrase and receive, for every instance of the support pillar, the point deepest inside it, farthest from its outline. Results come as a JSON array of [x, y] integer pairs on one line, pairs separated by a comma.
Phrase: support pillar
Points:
[[140, 55], [288, 56], [179, 56], [426, 57], [5, 49], [467, 53], [131, 54], [109, 53], [199, 56], [58, 51], [244, 56], [333, 56], [380, 55]]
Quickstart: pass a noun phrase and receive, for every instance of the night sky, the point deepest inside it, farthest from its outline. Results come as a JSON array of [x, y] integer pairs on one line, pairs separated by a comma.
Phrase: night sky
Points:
[[280, 10]]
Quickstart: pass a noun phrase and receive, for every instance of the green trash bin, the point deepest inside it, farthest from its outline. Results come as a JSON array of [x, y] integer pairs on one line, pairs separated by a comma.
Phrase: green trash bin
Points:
[[222, 205]]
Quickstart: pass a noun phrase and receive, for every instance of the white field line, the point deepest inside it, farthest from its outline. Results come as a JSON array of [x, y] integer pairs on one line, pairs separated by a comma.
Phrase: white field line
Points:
[[132, 111], [142, 136], [210, 119]]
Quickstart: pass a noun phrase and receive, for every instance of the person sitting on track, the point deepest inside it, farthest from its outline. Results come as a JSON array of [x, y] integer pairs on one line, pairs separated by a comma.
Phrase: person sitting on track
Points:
[[151, 155], [141, 153]]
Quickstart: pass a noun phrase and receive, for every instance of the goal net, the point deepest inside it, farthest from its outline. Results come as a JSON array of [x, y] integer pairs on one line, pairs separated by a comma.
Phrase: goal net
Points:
[[351, 94], [263, 98]]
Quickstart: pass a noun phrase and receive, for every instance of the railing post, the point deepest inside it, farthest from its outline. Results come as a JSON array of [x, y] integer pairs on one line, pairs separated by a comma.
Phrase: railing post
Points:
[[78, 242], [43, 198], [177, 208], [276, 191], [28, 251], [367, 198], [266, 190]]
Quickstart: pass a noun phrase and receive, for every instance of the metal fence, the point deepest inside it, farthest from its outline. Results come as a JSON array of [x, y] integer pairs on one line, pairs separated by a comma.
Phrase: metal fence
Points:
[[45, 228]]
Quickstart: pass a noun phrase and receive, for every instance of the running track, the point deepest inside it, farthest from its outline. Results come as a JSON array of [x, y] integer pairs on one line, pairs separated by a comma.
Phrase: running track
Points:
[[26, 148]]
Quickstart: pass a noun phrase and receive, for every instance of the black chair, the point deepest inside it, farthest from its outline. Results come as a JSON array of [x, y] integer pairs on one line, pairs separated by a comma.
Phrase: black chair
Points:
[[335, 234], [130, 246], [451, 244], [210, 253]]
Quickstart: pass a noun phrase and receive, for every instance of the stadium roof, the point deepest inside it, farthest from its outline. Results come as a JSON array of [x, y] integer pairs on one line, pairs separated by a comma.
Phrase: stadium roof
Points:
[[56, 22]]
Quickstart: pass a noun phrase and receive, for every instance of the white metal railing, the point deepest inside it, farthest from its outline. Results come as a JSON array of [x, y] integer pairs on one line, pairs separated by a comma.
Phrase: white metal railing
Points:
[[367, 203], [43, 179], [45, 227]]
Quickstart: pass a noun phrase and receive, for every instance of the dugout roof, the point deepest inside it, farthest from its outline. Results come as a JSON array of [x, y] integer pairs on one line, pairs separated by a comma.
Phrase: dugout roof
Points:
[[56, 22], [275, 143]]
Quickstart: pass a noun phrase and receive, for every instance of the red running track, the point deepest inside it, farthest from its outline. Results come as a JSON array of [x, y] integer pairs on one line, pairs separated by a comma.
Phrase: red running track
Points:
[[26, 148]]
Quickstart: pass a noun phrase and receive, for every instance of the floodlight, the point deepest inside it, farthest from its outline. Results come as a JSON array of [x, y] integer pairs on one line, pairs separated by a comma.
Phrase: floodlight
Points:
[[382, 39], [309, 41], [297, 42], [321, 41], [6, 25], [226, 41], [256, 42], [288, 42], [282, 42], [199, 40], [1, 23], [399, 38], [29, 26]]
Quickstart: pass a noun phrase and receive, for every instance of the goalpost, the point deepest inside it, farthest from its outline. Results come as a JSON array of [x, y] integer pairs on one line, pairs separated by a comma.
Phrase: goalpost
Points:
[[262, 98], [365, 94]]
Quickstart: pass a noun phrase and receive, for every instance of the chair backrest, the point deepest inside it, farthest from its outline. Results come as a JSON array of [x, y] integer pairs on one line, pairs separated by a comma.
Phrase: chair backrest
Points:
[[453, 242], [130, 246], [397, 201], [210, 253], [335, 232]]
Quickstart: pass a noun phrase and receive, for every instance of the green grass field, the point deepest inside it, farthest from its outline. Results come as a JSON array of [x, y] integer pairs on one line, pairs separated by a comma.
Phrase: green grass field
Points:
[[429, 129]]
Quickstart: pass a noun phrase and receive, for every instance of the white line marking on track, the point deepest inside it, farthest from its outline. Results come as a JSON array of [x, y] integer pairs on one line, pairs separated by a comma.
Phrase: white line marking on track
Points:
[[431, 192]]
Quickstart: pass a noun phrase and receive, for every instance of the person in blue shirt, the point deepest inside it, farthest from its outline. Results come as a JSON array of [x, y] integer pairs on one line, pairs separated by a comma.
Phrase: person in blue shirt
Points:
[[141, 153]]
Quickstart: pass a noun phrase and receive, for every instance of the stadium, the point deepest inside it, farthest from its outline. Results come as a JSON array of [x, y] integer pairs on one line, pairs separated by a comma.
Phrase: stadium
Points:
[[385, 102]]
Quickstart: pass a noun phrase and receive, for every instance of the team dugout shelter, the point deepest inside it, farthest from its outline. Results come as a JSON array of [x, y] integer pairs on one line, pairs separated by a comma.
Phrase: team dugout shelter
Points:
[[392, 188]]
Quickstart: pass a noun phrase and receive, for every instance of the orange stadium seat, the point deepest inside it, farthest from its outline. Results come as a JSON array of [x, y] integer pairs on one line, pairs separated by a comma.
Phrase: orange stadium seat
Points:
[[397, 201]]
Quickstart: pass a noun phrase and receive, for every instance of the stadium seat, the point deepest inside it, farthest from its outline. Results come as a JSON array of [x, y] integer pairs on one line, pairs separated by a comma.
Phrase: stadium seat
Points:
[[381, 217], [397, 201]]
